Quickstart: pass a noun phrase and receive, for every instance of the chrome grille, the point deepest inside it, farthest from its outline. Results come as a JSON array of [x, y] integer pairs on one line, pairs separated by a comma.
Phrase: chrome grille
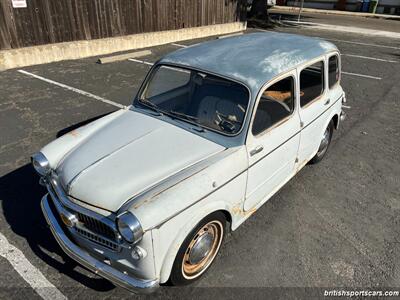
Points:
[[96, 226], [97, 239], [87, 226]]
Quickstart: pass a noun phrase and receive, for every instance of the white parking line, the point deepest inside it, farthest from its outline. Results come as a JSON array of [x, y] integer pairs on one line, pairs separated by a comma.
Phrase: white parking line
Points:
[[70, 88], [179, 45], [362, 75], [141, 61], [349, 29], [344, 41], [371, 58], [28, 272], [364, 44]]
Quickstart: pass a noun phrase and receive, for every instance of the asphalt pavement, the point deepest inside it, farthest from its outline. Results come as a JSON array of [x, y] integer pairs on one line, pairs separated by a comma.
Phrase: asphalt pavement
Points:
[[335, 224], [341, 20]]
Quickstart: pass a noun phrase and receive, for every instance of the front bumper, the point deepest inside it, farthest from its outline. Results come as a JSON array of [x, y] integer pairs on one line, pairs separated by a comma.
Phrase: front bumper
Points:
[[96, 266], [342, 116]]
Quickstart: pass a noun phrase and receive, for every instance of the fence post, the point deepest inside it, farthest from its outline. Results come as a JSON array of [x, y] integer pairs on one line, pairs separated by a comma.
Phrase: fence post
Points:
[[301, 8]]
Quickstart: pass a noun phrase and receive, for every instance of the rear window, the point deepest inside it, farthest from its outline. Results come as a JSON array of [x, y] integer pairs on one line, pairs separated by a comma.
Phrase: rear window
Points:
[[333, 71], [311, 83]]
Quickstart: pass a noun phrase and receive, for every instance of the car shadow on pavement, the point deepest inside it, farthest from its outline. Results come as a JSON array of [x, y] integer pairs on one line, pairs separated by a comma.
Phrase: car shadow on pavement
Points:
[[20, 195]]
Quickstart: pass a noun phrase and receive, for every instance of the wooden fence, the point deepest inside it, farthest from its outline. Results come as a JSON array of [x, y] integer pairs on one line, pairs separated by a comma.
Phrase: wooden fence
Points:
[[55, 21]]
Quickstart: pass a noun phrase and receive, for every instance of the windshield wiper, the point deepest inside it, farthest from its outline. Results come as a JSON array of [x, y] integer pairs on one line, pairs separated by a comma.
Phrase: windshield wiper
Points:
[[190, 118], [151, 105], [182, 115]]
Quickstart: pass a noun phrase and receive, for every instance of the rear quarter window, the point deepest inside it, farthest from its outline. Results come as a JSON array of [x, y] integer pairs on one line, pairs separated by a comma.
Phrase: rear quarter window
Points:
[[333, 70], [311, 83]]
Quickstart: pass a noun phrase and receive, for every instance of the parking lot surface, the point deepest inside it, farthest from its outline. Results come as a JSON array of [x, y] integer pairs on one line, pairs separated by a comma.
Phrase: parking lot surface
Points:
[[335, 224]]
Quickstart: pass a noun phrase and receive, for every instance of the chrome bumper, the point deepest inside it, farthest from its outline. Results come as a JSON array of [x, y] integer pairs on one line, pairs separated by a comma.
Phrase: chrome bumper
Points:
[[342, 116], [96, 266]]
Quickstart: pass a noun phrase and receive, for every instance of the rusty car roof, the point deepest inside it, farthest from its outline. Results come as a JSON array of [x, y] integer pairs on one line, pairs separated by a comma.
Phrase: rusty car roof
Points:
[[252, 59]]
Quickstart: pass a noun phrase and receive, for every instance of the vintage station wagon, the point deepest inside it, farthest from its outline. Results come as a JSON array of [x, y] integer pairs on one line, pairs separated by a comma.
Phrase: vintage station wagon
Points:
[[145, 195]]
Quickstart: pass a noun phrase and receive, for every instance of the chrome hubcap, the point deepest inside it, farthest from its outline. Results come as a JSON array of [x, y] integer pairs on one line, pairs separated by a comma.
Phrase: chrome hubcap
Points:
[[202, 249]]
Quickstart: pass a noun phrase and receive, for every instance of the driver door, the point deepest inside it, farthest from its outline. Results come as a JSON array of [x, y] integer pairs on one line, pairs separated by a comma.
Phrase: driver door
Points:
[[273, 140]]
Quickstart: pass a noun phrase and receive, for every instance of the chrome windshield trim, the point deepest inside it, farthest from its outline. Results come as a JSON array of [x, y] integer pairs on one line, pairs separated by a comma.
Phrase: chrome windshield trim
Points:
[[119, 278], [158, 64]]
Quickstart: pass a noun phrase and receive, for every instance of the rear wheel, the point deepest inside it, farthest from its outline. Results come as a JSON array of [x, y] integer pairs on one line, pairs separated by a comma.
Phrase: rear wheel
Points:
[[324, 145], [199, 249]]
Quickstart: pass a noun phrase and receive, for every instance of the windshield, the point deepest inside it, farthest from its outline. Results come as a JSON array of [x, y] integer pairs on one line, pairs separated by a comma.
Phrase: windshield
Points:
[[206, 100]]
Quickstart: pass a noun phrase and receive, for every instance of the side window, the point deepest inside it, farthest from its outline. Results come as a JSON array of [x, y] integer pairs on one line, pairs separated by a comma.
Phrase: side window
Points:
[[311, 83], [276, 103], [333, 70]]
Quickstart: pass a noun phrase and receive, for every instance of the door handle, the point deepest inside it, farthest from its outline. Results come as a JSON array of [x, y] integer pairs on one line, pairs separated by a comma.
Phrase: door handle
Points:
[[256, 150], [327, 101]]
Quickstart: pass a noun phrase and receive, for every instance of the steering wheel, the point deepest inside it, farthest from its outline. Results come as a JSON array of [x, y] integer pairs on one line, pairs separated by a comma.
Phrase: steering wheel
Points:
[[227, 118], [225, 122], [285, 106]]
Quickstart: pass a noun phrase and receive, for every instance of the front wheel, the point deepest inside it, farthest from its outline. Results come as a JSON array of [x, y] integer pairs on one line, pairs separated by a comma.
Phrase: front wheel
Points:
[[324, 145], [199, 249]]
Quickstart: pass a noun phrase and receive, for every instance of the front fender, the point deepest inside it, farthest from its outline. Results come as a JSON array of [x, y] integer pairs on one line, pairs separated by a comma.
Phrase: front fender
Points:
[[194, 217], [168, 238], [57, 149], [173, 212]]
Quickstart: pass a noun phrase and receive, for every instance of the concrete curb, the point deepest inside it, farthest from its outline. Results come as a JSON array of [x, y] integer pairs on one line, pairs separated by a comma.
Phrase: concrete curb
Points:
[[22, 57], [229, 35], [336, 12], [109, 59]]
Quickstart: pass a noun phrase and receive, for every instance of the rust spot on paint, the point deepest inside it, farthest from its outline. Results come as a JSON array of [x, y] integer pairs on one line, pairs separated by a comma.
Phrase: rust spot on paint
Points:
[[74, 133], [140, 204], [151, 198], [250, 212], [301, 165], [237, 210]]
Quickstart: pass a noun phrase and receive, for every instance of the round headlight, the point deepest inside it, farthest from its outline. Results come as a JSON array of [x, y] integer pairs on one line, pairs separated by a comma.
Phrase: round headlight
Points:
[[129, 227], [40, 163]]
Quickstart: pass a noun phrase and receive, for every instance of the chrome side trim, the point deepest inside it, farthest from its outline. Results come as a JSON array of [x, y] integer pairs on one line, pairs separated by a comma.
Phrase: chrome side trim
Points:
[[195, 202], [119, 278], [261, 158], [312, 121], [175, 179]]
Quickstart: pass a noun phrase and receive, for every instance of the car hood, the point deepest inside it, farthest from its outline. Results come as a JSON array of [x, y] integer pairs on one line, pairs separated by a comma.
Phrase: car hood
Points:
[[128, 155]]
